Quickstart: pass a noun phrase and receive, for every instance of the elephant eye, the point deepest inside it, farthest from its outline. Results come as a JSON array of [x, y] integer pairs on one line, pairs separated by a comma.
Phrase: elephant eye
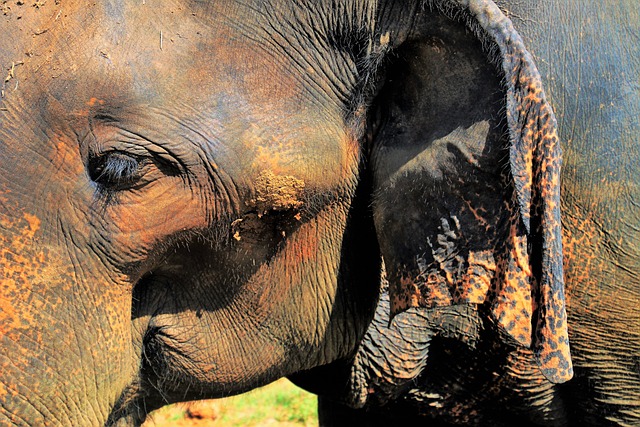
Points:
[[115, 170]]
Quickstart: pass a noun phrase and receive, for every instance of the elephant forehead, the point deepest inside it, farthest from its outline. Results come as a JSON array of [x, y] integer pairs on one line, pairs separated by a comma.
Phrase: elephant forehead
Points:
[[158, 56], [186, 74]]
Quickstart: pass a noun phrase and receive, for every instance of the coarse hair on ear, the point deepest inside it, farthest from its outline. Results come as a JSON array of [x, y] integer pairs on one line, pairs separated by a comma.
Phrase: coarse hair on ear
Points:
[[466, 161]]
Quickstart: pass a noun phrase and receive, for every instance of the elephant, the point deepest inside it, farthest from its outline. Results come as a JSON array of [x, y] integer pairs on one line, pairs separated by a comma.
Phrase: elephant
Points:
[[199, 198]]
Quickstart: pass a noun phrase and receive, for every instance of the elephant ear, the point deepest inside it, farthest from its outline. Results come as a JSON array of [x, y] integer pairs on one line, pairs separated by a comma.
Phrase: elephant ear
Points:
[[466, 164]]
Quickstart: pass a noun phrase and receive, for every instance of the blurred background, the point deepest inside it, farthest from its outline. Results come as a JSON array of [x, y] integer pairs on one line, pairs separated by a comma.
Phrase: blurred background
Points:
[[279, 404]]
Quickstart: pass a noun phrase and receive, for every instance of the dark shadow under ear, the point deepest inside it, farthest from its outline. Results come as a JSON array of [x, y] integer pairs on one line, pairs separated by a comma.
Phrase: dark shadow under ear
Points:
[[466, 165]]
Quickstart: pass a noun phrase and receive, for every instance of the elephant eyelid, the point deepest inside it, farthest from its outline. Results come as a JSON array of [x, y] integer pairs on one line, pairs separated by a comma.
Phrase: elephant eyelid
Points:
[[116, 170]]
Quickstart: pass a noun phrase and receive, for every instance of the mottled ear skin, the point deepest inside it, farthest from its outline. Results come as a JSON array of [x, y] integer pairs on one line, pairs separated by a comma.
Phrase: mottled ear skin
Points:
[[466, 164]]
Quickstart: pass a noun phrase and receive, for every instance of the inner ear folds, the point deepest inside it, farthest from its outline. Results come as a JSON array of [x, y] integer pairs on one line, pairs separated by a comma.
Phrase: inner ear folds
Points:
[[466, 205]]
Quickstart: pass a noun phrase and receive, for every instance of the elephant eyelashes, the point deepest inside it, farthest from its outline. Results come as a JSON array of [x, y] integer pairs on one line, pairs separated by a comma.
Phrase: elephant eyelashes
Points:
[[115, 170]]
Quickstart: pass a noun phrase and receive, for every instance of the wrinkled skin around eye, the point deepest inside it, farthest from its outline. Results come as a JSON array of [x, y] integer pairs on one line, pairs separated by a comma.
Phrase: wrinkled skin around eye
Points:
[[114, 169]]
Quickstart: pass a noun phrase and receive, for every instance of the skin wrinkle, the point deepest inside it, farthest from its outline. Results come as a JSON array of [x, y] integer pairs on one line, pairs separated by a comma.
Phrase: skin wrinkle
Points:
[[38, 410], [50, 415], [307, 39], [80, 352]]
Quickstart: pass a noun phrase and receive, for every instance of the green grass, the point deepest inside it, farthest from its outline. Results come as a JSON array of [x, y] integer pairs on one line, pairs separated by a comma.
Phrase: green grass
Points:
[[281, 401], [278, 404]]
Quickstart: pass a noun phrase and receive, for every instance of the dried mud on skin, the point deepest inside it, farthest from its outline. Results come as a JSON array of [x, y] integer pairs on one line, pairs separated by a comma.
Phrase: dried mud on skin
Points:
[[277, 193]]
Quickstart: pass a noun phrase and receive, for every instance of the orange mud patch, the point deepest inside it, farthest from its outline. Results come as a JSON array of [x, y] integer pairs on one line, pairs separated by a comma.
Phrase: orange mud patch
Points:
[[15, 267], [94, 101], [277, 193]]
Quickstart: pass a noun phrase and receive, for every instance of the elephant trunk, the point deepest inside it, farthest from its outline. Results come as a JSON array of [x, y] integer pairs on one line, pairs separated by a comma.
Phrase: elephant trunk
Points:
[[54, 370]]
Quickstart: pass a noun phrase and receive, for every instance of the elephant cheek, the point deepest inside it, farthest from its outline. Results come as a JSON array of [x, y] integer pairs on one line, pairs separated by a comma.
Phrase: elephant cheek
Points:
[[142, 220]]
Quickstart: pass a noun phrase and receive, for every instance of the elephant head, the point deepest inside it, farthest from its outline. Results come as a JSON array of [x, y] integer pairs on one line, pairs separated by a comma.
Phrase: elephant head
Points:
[[195, 197]]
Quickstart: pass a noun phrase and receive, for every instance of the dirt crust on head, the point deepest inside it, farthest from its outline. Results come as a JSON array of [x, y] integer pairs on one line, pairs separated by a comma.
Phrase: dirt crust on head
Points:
[[277, 193]]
